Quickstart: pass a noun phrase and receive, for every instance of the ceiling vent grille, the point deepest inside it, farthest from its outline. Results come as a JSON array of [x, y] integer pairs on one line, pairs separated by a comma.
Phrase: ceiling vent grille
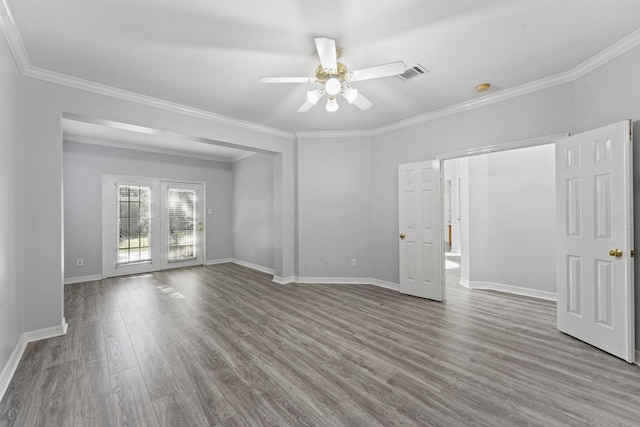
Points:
[[413, 72]]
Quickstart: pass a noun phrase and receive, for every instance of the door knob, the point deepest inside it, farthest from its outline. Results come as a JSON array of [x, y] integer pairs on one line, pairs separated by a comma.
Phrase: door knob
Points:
[[616, 253], [402, 236]]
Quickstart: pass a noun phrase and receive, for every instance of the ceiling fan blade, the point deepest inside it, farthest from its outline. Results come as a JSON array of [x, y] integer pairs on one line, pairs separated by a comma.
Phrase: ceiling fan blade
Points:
[[390, 69], [327, 53], [305, 107], [361, 102], [286, 79]]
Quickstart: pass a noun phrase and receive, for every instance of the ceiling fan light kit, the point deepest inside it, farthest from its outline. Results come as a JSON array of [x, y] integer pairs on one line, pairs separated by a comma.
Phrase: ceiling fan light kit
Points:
[[333, 75], [349, 93], [332, 104], [333, 86]]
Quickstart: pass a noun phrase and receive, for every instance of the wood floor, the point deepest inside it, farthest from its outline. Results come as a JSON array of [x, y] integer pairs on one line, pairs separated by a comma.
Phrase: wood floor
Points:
[[224, 345]]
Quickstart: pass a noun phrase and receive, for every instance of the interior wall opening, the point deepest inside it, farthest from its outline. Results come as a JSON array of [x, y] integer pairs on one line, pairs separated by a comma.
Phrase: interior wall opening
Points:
[[92, 148], [499, 221]]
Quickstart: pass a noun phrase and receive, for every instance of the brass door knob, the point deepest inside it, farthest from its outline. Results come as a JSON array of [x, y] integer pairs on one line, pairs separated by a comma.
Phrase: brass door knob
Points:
[[402, 236], [616, 253]]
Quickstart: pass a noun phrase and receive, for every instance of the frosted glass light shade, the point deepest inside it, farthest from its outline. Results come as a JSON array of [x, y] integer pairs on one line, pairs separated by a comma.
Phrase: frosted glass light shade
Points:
[[332, 86], [332, 104]]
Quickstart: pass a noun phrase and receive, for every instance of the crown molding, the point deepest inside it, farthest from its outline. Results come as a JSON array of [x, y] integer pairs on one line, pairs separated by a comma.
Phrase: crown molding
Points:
[[335, 134], [14, 39], [503, 95], [74, 82], [16, 44], [610, 53]]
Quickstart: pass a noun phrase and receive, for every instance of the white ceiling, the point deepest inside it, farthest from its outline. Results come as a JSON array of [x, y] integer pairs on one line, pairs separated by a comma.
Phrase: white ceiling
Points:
[[209, 55]]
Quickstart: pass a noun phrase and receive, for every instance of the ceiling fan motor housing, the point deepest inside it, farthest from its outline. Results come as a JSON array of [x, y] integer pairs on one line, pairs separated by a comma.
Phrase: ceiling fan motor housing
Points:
[[323, 74]]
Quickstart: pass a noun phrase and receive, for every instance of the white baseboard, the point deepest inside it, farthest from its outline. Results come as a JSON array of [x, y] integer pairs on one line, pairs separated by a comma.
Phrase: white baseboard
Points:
[[11, 365], [338, 281], [385, 284], [253, 266], [42, 334], [218, 261], [307, 280], [14, 359], [80, 279], [334, 280], [533, 293], [240, 262]]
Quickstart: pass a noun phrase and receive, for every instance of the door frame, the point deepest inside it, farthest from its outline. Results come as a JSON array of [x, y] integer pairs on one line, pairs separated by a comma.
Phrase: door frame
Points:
[[106, 229], [525, 143]]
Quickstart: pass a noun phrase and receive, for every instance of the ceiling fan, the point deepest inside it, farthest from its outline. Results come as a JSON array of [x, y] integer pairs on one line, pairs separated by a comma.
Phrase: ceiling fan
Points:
[[335, 78]]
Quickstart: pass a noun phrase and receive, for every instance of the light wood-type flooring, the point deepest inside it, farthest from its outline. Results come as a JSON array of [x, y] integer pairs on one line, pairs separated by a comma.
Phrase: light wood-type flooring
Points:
[[224, 345]]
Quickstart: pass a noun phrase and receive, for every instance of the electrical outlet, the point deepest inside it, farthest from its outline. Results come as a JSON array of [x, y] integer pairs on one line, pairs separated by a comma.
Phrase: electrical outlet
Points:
[[79, 262], [353, 262]]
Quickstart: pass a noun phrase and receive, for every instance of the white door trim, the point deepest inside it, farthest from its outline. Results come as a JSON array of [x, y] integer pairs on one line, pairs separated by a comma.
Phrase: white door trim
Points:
[[514, 145]]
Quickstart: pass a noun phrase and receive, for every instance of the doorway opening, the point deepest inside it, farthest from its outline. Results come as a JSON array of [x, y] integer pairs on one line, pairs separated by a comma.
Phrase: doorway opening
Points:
[[499, 218]]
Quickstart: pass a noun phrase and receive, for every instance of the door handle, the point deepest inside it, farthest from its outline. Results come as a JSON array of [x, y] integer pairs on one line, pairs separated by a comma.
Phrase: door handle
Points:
[[402, 236], [616, 253]]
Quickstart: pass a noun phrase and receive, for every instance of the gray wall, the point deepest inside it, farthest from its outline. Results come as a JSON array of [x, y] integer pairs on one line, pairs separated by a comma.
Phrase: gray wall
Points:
[[253, 210], [84, 165], [11, 205], [513, 218], [334, 207]]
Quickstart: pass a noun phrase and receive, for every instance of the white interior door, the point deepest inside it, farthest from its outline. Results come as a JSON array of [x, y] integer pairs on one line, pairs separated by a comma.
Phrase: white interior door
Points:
[[150, 225], [595, 238], [421, 252]]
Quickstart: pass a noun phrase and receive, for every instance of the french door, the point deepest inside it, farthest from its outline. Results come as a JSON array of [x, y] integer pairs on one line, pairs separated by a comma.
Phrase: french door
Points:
[[150, 224]]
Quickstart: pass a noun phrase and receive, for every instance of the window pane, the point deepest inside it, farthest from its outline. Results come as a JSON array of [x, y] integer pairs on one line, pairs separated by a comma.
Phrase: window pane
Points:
[[182, 227], [134, 217]]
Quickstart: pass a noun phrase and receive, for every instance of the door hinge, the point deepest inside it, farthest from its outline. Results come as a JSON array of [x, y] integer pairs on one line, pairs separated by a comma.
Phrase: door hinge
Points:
[[633, 253]]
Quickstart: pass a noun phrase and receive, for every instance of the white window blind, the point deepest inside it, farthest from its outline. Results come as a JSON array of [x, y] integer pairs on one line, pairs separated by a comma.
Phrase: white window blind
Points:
[[134, 221], [182, 222]]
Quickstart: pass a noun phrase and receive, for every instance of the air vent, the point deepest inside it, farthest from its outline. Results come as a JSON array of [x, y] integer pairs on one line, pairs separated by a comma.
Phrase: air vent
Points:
[[413, 72]]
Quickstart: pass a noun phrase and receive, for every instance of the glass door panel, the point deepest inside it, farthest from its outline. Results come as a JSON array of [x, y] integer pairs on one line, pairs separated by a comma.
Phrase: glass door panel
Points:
[[134, 221], [182, 225]]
